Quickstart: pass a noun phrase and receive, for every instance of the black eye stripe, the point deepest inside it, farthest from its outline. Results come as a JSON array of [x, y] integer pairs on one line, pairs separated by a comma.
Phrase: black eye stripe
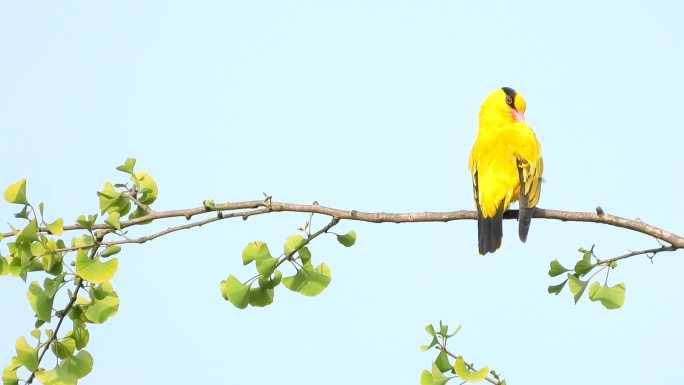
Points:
[[510, 96]]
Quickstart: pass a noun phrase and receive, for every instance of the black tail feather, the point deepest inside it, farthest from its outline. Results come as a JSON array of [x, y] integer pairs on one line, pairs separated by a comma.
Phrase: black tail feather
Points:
[[524, 220], [489, 231]]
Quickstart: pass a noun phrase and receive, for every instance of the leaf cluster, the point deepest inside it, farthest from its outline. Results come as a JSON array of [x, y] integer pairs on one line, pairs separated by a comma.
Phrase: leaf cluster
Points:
[[79, 269], [307, 280], [611, 297], [458, 368]]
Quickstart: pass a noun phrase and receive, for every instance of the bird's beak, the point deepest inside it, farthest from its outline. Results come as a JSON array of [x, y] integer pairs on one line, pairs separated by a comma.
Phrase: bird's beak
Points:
[[518, 116]]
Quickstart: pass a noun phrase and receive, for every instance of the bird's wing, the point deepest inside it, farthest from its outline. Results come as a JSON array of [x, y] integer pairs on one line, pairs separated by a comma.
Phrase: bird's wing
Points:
[[530, 168]]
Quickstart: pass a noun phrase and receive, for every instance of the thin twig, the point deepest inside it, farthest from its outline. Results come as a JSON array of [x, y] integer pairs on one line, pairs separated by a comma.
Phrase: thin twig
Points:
[[65, 312], [310, 238], [634, 253], [469, 366], [135, 201]]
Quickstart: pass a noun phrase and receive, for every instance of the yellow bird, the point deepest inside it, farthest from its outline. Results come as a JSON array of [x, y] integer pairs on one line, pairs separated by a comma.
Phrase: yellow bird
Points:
[[506, 165]]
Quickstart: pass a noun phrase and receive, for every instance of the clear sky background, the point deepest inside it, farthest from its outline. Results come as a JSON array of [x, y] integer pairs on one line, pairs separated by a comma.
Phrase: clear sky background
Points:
[[359, 105]]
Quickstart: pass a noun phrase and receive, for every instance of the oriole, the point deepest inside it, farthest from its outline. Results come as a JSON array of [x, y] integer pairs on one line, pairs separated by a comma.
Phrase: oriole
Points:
[[506, 166]]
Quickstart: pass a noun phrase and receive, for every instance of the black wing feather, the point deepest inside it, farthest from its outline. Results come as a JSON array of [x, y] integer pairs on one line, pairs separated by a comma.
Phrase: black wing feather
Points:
[[526, 212]]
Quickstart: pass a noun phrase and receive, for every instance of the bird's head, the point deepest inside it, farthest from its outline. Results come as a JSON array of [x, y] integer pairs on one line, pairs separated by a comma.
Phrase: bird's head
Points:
[[503, 105]]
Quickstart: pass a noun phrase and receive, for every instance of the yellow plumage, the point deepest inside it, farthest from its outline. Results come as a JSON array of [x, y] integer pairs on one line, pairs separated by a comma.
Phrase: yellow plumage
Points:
[[506, 165]]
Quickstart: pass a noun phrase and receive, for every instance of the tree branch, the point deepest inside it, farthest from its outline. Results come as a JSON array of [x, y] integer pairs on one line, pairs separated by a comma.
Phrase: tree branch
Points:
[[264, 207]]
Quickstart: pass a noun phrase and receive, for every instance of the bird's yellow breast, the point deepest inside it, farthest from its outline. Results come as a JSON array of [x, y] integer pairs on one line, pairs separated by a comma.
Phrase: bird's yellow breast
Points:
[[494, 163]]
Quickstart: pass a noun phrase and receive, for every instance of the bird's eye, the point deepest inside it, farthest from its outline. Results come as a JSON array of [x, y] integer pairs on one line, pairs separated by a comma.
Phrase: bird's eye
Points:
[[509, 100]]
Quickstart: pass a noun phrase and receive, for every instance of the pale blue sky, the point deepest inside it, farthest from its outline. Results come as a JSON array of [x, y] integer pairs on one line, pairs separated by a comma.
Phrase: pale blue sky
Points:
[[358, 105]]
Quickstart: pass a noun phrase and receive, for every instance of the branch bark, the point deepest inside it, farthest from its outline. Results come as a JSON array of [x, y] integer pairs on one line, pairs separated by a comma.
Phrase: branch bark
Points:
[[260, 207]]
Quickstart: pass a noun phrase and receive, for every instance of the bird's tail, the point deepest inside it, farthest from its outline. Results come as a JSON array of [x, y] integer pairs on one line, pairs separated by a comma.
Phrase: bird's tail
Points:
[[524, 220], [489, 231]]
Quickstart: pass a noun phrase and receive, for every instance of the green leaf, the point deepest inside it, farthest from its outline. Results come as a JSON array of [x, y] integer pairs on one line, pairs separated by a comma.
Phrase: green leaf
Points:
[[466, 375], [23, 214], [234, 291], [80, 334], [93, 270], [555, 289], [266, 265], [84, 241], [101, 291], [79, 365], [209, 204], [76, 313], [577, 286], [29, 233], [430, 329], [56, 227], [426, 378], [292, 243], [102, 308], [277, 278], [556, 268], [110, 250], [259, 296], [308, 281], [304, 255], [583, 267], [52, 262], [610, 297], [40, 302], [15, 267], [52, 285], [442, 362], [443, 329], [16, 193], [108, 198], [432, 344], [265, 282], [458, 329], [347, 240], [137, 213], [57, 376], [4, 266], [147, 187], [35, 333], [9, 374], [113, 220], [127, 166], [86, 223], [254, 250], [37, 249], [437, 377], [26, 354], [64, 348]]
